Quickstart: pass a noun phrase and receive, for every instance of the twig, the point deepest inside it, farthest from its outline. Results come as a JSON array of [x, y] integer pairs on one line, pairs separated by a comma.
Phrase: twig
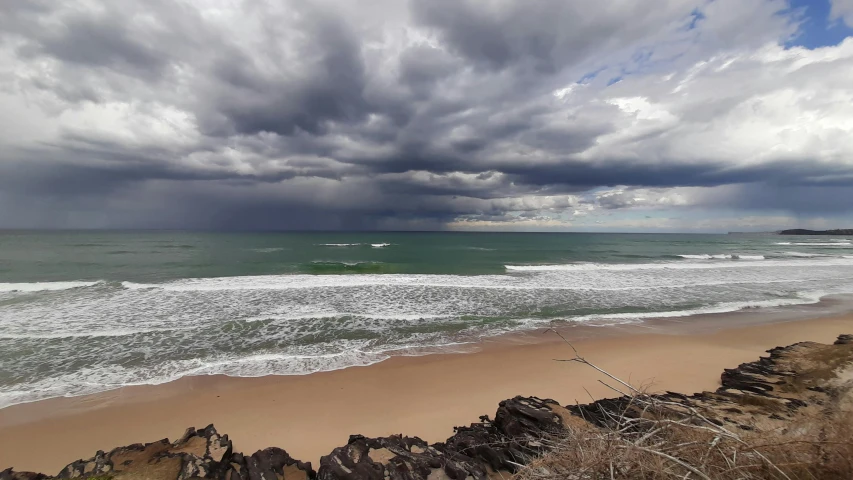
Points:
[[672, 459]]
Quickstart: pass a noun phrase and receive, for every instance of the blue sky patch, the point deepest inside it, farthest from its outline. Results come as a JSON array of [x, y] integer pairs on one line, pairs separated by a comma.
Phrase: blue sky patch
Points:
[[816, 28]]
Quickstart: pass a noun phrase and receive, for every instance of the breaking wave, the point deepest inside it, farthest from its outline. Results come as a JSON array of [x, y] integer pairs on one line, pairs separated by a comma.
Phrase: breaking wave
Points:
[[44, 286], [723, 257], [818, 244], [336, 313], [746, 262]]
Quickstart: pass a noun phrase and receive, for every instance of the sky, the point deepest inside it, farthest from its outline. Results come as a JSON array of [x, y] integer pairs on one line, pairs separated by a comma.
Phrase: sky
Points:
[[533, 115]]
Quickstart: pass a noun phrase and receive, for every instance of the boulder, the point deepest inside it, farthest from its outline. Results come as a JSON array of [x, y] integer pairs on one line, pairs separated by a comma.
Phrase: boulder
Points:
[[8, 474], [488, 449], [270, 463], [198, 453]]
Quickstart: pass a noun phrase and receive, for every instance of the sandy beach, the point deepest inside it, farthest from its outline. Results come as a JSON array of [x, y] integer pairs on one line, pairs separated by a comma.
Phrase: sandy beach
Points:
[[419, 396]]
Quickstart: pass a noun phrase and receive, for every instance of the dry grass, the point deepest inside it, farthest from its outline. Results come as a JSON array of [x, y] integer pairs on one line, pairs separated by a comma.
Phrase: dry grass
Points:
[[663, 448], [644, 436]]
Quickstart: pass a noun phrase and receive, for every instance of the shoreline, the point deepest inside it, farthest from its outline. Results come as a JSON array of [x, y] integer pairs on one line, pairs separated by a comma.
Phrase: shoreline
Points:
[[824, 305], [425, 396]]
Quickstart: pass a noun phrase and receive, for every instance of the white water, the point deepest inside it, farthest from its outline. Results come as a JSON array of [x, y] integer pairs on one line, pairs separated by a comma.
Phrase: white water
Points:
[[129, 333], [818, 244], [42, 286], [840, 261], [733, 256]]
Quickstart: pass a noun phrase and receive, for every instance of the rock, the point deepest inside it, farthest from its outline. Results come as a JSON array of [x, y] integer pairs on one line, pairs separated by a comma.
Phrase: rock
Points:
[[518, 434], [197, 454], [8, 474], [270, 463], [767, 391], [481, 451], [755, 395], [395, 457]]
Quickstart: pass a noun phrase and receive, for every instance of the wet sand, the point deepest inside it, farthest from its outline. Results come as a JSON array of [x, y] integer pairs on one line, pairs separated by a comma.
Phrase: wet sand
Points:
[[421, 396]]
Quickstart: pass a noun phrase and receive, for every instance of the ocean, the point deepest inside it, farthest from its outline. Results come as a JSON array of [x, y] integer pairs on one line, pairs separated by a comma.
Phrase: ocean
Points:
[[85, 312]]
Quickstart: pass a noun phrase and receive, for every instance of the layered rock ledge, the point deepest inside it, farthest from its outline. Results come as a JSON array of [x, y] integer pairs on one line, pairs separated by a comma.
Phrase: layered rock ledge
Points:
[[765, 394]]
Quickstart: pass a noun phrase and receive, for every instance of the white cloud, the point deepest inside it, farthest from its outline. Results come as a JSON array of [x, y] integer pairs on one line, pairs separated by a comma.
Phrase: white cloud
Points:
[[843, 10], [445, 111]]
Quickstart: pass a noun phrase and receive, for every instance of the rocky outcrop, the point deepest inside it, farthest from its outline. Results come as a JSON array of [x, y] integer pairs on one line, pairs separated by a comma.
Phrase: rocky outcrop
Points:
[[270, 463], [488, 449], [763, 394], [8, 474], [197, 454]]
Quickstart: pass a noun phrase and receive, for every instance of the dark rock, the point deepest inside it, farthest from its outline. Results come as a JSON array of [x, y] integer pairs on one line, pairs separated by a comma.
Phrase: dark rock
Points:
[[8, 474], [517, 435], [197, 454], [780, 383], [523, 428], [395, 457], [270, 463]]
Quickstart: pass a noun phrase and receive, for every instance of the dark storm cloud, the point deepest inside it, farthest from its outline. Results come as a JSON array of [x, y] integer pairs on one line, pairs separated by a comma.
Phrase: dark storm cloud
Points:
[[99, 43], [327, 115], [108, 39], [330, 89], [545, 35], [637, 173]]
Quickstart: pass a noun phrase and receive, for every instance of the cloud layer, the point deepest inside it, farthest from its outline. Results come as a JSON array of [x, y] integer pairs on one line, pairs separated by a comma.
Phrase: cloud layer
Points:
[[328, 114]]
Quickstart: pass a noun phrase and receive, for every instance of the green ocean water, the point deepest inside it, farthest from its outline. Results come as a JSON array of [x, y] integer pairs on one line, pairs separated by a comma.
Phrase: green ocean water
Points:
[[161, 256], [82, 312]]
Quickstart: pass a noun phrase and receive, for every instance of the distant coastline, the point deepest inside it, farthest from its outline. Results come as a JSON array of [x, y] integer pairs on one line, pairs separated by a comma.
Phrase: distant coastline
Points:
[[802, 231]]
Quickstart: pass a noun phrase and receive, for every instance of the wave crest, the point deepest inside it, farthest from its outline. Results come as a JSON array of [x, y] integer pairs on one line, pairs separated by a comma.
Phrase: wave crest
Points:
[[817, 244], [44, 286], [733, 256], [744, 263]]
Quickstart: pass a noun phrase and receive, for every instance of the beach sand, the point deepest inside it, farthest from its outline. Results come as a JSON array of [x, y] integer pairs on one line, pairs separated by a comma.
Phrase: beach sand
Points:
[[418, 396]]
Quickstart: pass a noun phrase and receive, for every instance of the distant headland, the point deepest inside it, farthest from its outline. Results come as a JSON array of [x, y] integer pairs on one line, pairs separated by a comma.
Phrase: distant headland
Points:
[[802, 231]]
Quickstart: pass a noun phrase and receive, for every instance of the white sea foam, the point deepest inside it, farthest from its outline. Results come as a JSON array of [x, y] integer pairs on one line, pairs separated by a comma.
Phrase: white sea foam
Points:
[[733, 256], [804, 255], [295, 324], [90, 334], [43, 286], [818, 244], [317, 358], [344, 263], [108, 377], [589, 280], [804, 298], [676, 265], [339, 244], [317, 315]]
